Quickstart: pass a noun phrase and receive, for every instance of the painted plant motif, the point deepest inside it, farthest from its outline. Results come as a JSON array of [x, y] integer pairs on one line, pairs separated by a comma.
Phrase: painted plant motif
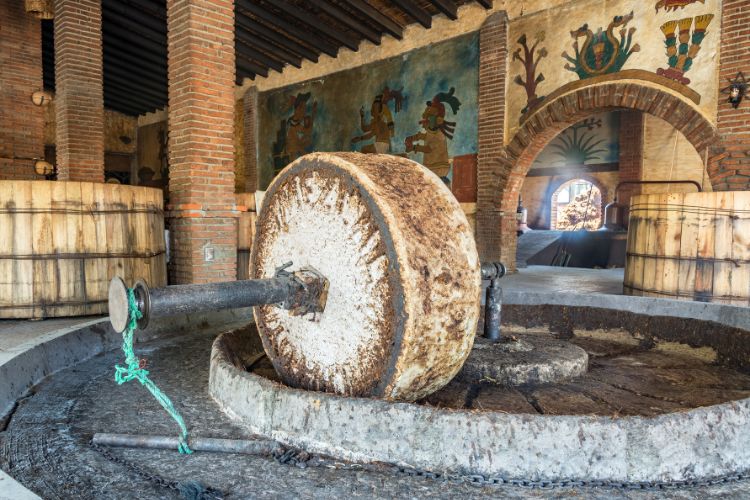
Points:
[[602, 52], [530, 57], [668, 5], [294, 137], [681, 55], [381, 126], [433, 141], [575, 147]]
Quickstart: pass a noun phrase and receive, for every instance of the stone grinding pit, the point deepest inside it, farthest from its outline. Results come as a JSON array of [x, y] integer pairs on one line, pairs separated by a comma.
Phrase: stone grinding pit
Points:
[[663, 399]]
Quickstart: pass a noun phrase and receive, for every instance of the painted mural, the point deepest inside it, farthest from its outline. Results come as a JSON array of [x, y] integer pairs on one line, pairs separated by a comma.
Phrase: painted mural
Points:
[[667, 42], [675, 4], [602, 52], [417, 105], [593, 141], [682, 46], [530, 57]]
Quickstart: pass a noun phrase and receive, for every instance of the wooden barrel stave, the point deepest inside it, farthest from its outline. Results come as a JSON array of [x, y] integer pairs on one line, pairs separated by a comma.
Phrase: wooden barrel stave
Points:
[[693, 246], [68, 239]]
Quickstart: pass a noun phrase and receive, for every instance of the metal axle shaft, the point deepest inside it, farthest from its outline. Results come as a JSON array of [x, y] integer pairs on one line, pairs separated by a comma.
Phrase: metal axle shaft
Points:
[[302, 292]]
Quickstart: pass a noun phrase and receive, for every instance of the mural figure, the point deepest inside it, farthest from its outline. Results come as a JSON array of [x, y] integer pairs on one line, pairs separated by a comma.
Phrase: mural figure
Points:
[[680, 57], [602, 52], [381, 125], [530, 59], [437, 131], [576, 148], [294, 137], [675, 4]]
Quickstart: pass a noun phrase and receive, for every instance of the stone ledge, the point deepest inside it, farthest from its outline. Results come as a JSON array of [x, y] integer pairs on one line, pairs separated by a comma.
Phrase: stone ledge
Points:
[[697, 444]]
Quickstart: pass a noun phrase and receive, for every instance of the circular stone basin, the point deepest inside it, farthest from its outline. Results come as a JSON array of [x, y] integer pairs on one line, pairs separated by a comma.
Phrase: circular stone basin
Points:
[[665, 399]]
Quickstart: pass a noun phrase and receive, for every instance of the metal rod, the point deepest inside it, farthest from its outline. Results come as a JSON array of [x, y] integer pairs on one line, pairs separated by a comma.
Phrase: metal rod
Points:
[[493, 271], [183, 299], [302, 292], [247, 447], [492, 310]]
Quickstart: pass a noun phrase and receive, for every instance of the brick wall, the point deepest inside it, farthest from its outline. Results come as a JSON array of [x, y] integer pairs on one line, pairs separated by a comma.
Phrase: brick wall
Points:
[[21, 122], [249, 140], [79, 99], [730, 165], [201, 141], [631, 153], [492, 242]]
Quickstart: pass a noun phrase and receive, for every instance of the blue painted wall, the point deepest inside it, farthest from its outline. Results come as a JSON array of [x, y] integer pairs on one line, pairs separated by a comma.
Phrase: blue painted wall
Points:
[[329, 118]]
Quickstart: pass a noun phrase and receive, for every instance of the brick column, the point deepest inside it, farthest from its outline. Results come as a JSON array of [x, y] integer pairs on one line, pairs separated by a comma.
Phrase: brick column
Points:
[[730, 167], [79, 97], [496, 235], [201, 142], [249, 140], [631, 153], [21, 122]]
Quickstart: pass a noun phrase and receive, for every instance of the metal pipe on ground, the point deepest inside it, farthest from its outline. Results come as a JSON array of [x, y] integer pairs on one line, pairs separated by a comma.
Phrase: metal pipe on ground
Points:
[[247, 447]]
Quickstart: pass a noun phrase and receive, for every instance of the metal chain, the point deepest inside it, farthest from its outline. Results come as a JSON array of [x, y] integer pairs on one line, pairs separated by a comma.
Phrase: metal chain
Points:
[[302, 459], [207, 494]]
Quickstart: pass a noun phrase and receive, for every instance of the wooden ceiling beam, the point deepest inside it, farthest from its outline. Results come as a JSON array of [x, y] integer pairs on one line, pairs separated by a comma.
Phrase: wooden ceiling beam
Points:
[[447, 7], [487, 4], [271, 35], [305, 36], [344, 17], [377, 17], [132, 105], [134, 90], [136, 75], [415, 11], [317, 24], [143, 32], [144, 19], [117, 53], [251, 67], [117, 88], [145, 48], [242, 74], [248, 52], [253, 40], [124, 69], [157, 10]]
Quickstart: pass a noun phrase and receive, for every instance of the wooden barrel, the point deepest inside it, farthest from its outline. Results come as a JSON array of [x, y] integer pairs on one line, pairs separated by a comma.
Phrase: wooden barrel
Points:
[[245, 232], [63, 241], [690, 246], [403, 271]]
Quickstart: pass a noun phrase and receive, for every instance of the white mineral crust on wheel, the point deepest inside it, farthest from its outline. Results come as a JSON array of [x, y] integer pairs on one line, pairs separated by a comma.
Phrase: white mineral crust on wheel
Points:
[[405, 284]]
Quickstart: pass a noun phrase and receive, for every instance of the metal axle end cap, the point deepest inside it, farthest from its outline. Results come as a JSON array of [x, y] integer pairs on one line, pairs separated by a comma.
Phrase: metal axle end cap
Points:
[[118, 304]]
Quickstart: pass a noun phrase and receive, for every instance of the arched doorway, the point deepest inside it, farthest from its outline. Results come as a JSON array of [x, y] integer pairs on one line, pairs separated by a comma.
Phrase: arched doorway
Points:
[[559, 112]]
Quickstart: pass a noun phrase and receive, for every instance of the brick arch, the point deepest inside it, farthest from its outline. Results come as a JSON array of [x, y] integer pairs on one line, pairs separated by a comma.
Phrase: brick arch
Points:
[[556, 116], [509, 168]]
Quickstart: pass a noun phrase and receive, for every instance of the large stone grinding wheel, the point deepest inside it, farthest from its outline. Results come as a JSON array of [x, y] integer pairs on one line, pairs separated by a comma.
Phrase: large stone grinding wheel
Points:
[[404, 276]]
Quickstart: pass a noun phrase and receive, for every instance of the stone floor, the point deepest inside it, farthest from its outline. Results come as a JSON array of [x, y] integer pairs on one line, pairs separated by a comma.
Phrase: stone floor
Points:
[[46, 445], [565, 280]]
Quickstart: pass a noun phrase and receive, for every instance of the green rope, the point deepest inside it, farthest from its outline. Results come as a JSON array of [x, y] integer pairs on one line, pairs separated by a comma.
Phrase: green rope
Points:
[[134, 371]]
